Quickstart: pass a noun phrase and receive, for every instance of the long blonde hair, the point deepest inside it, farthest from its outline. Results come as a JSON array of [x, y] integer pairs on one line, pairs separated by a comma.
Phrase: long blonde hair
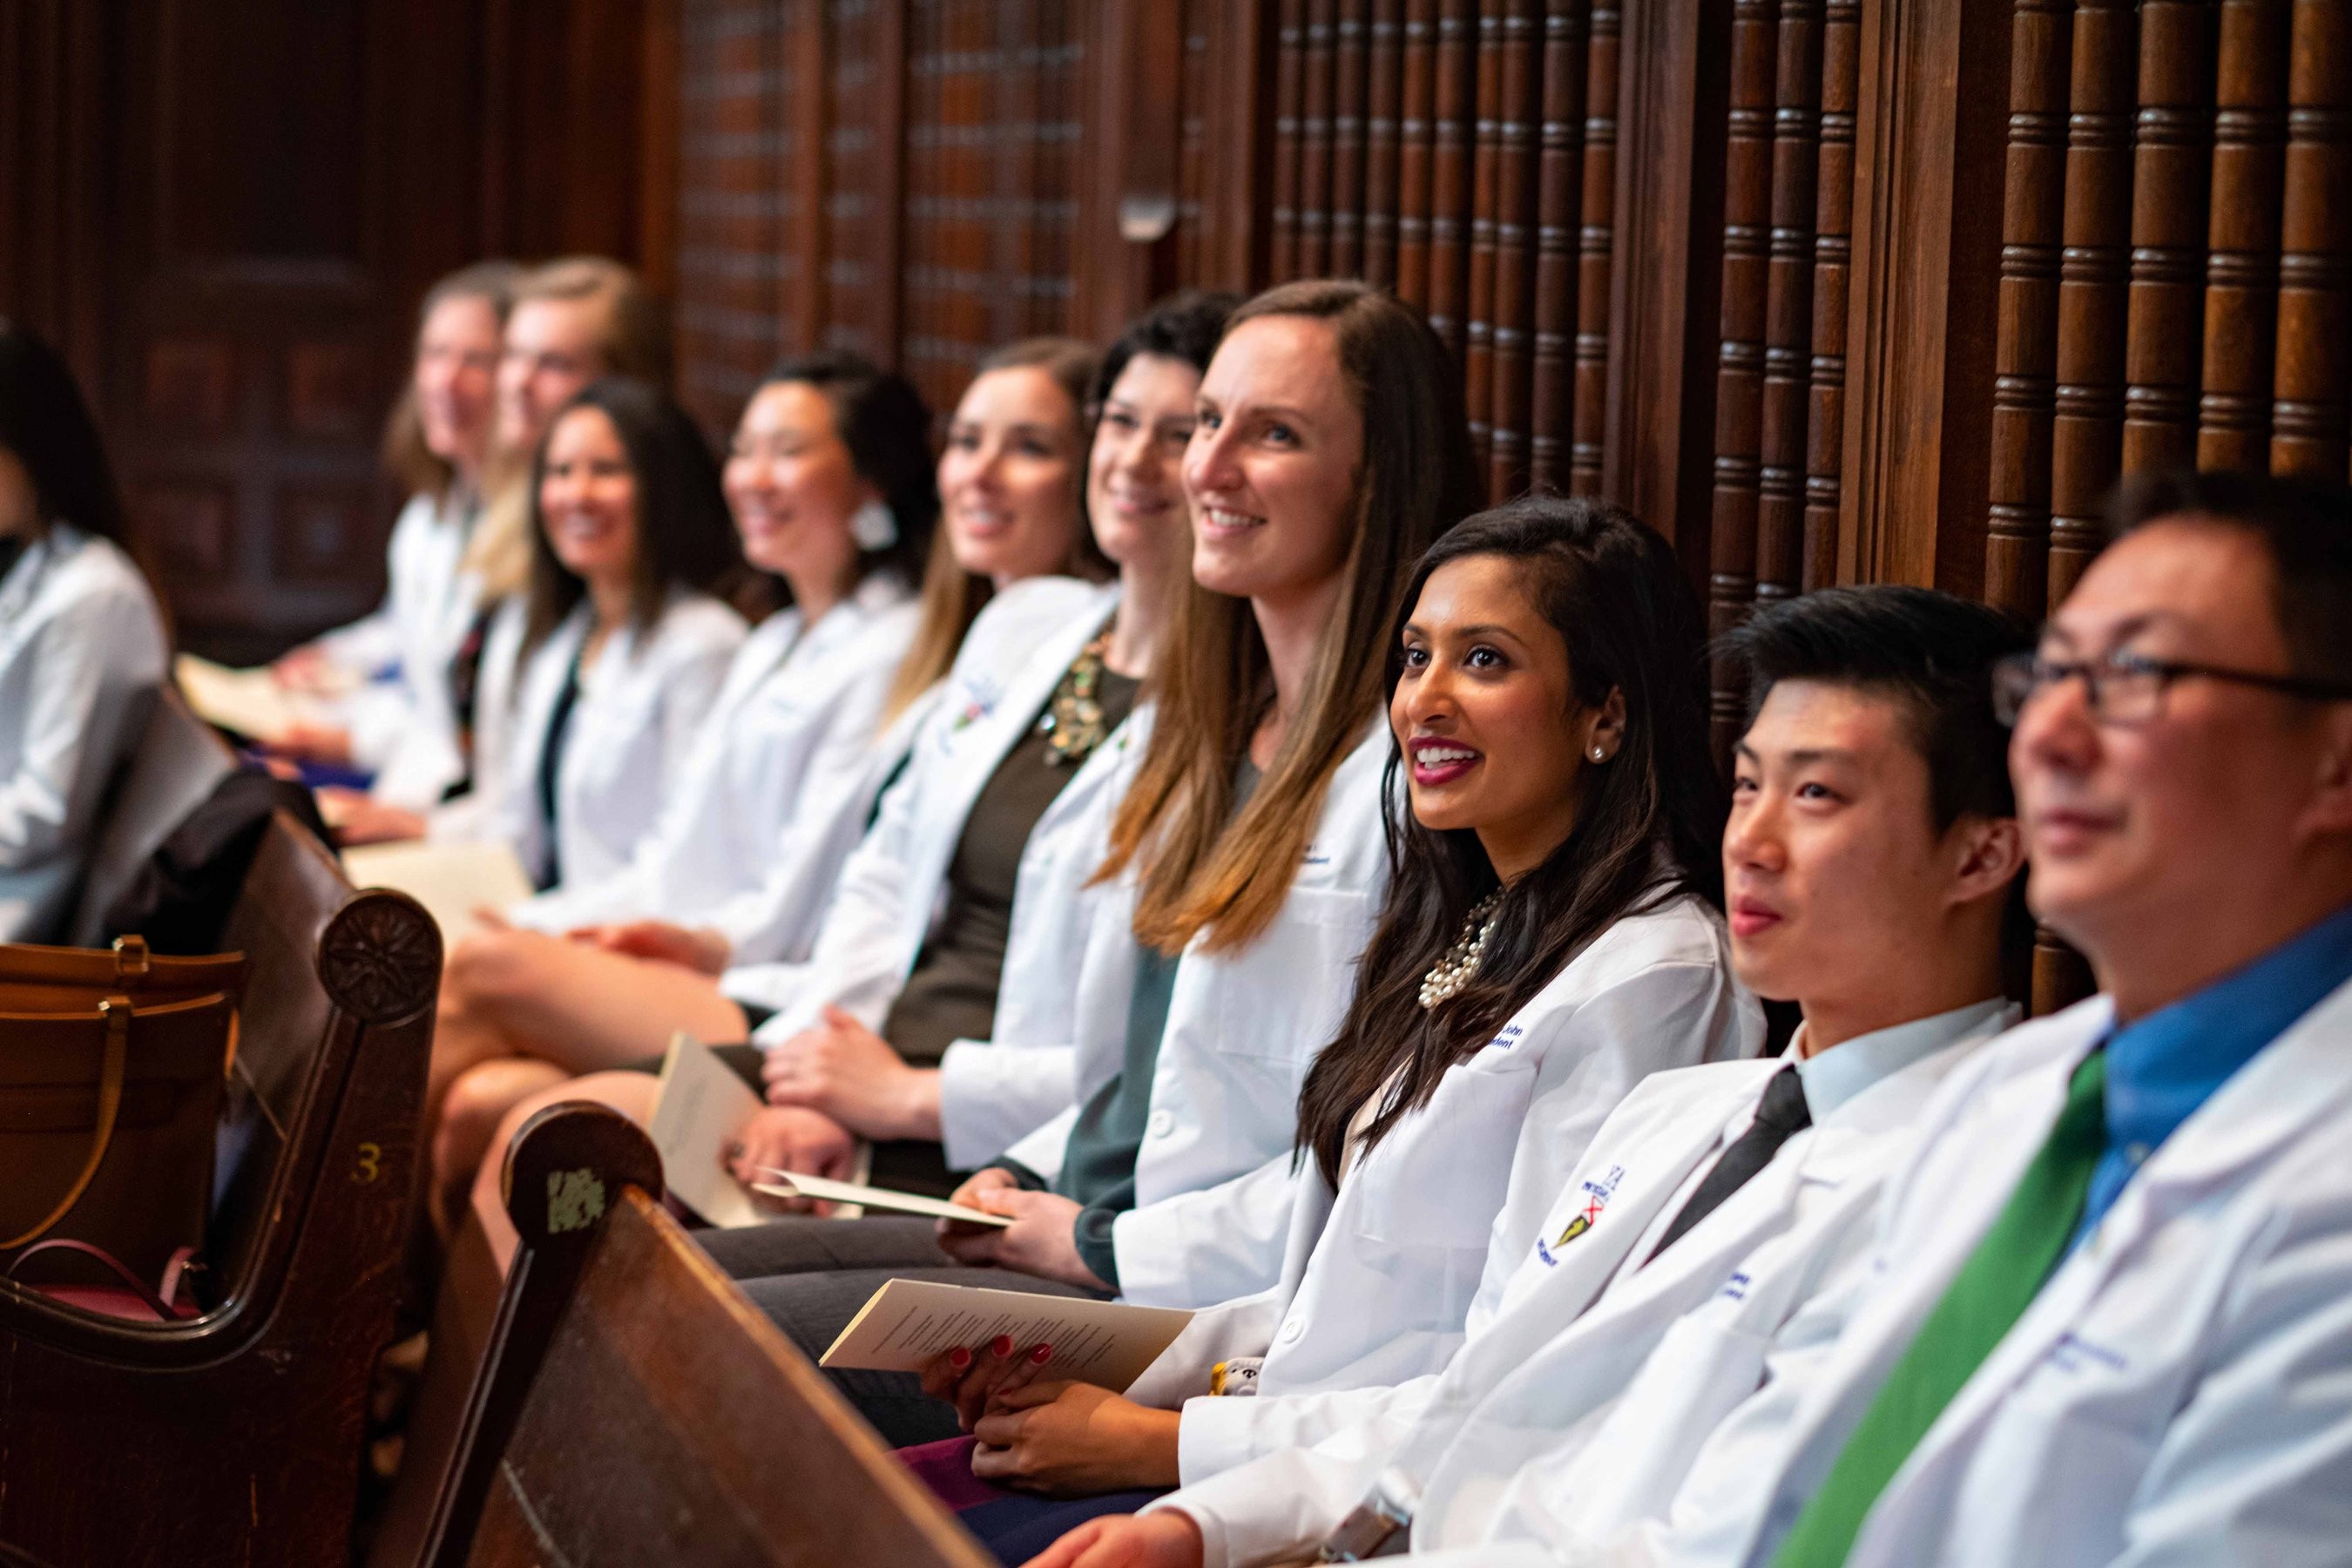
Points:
[[630, 341], [1195, 871], [952, 597]]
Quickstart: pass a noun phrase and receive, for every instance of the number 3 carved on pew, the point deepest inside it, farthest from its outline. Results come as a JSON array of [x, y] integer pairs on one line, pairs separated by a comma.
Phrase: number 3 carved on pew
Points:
[[371, 1164]]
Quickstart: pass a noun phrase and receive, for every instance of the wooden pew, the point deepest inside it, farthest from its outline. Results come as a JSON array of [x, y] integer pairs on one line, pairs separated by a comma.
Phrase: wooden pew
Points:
[[234, 1436], [179, 761], [634, 1408]]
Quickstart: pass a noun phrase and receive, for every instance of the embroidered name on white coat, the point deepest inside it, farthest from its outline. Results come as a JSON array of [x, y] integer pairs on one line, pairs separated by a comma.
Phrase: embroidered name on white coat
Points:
[[2076, 1355]]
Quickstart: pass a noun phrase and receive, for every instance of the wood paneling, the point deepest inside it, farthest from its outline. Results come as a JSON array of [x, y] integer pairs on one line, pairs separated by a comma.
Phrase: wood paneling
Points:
[[992, 136], [226, 215], [737, 277], [2315, 302], [1740, 359], [1779, 274]]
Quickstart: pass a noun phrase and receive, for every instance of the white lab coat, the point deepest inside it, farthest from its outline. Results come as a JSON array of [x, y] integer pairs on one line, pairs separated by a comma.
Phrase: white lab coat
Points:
[[429, 604], [775, 792], [80, 645], [894, 885], [1580, 1315], [640, 706], [2179, 1392], [1213, 1177], [1378, 1282]]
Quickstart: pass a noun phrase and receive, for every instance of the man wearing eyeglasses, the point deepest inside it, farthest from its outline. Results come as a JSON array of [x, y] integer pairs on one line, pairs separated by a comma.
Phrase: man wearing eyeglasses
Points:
[[2109, 1318]]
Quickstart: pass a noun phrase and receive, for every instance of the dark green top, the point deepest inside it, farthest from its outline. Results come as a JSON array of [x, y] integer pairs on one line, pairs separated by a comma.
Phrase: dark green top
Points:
[[951, 993], [1099, 1161]]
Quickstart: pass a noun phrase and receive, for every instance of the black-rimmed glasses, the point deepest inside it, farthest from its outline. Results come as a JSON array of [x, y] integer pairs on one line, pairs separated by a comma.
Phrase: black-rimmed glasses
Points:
[[2126, 689]]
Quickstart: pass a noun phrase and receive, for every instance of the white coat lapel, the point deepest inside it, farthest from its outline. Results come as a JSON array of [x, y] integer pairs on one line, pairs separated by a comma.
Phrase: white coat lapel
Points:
[[980, 742], [2302, 1077], [1646, 1158]]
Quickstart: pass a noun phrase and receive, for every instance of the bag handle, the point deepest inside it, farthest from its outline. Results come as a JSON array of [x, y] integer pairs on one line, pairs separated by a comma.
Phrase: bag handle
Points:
[[116, 1011], [164, 1303]]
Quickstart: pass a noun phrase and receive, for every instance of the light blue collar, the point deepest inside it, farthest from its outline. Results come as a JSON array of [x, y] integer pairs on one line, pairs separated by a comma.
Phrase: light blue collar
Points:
[[1845, 1069]]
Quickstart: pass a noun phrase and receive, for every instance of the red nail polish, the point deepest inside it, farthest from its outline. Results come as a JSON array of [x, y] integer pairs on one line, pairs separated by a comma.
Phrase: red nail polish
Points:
[[959, 1358], [1042, 1354], [1002, 1344]]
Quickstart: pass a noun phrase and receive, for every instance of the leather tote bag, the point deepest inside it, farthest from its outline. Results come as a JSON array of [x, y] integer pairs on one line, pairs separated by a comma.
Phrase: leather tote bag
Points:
[[106, 1124], [76, 979]]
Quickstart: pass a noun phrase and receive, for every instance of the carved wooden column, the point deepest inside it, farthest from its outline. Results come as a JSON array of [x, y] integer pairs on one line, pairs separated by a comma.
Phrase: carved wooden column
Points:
[[2087, 426], [1450, 156], [1833, 259], [1515, 244], [2234, 415], [2315, 303], [1558, 300], [2171, 172], [1315, 142], [1595, 254], [1290, 85], [1349, 37], [2017, 531], [1788, 303], [1740, 372], [1485, 193], [1383, 96], [1416, 151]]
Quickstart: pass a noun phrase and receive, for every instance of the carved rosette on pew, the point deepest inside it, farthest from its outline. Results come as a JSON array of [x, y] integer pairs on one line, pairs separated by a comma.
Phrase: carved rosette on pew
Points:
[[381, 957]]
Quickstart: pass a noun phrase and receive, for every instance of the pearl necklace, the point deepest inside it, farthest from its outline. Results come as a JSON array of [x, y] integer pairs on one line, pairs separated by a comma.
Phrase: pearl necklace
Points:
[[1461, 961]]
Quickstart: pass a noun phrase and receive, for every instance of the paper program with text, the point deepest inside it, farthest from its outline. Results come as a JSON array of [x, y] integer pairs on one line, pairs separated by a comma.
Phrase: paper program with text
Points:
[[910, 1322]]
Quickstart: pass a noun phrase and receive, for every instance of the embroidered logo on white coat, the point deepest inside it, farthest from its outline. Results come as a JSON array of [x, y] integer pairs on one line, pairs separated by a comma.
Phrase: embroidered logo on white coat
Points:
[[1596, 1196]]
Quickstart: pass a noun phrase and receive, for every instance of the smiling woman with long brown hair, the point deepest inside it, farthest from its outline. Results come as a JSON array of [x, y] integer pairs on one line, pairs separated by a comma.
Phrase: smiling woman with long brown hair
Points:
[[1549, 938]]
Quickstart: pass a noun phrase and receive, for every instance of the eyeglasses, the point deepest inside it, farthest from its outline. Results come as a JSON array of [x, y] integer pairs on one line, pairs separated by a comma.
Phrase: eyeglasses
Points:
[[2127, 689]]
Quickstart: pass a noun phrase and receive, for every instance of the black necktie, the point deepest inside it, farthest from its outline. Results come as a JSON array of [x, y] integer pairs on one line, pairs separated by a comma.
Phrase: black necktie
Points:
[[1780, 1117]]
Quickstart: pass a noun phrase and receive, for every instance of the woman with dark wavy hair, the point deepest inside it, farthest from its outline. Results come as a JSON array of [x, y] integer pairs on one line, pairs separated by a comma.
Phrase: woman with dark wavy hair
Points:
[[1549, 938], [80, 637]]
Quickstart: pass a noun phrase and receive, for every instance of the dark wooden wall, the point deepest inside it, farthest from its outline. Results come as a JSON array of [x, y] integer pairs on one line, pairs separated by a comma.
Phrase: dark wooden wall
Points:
[[226, 214], [1783, 275], [1786, 276]]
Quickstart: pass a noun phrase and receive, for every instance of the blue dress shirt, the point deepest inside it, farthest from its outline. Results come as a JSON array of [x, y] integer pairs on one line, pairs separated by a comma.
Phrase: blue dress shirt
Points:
[[2163, 1068]]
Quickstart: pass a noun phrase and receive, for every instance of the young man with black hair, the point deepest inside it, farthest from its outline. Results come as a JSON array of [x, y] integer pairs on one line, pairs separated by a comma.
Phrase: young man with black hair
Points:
[[1869, 867], [2110, 1319]]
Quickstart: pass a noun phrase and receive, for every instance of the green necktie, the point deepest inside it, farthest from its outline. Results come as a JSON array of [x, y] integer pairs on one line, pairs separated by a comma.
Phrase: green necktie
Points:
[[1992, 1291]]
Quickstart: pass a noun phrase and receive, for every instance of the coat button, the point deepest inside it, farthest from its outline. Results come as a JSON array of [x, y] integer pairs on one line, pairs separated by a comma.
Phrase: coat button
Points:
[[1163, 1123], [1292, 1328]]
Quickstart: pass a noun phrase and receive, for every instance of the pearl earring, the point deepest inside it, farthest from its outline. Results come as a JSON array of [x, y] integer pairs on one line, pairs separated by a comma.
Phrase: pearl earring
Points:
[[872, 527], [1598, 755]]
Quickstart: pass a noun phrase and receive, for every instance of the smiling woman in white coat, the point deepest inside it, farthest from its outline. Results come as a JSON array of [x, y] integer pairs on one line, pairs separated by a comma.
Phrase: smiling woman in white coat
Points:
[[937, 989], [82, 644], [396, 663], [1549, 939], [624, 642], [829, 479], [1250, 850]]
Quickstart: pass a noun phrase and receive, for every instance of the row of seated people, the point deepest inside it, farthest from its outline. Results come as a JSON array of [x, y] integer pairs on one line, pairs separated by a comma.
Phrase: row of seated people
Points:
[[1413, 1047]]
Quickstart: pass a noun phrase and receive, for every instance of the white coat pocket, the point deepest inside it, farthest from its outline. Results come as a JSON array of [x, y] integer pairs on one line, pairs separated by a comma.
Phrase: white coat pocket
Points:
[[1280, 1000], [1451, 1159]]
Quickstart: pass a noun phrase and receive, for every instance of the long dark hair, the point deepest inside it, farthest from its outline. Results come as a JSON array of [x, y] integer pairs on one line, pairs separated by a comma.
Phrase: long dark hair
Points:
[[44, 422], [1650, 828], [685, 537]]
